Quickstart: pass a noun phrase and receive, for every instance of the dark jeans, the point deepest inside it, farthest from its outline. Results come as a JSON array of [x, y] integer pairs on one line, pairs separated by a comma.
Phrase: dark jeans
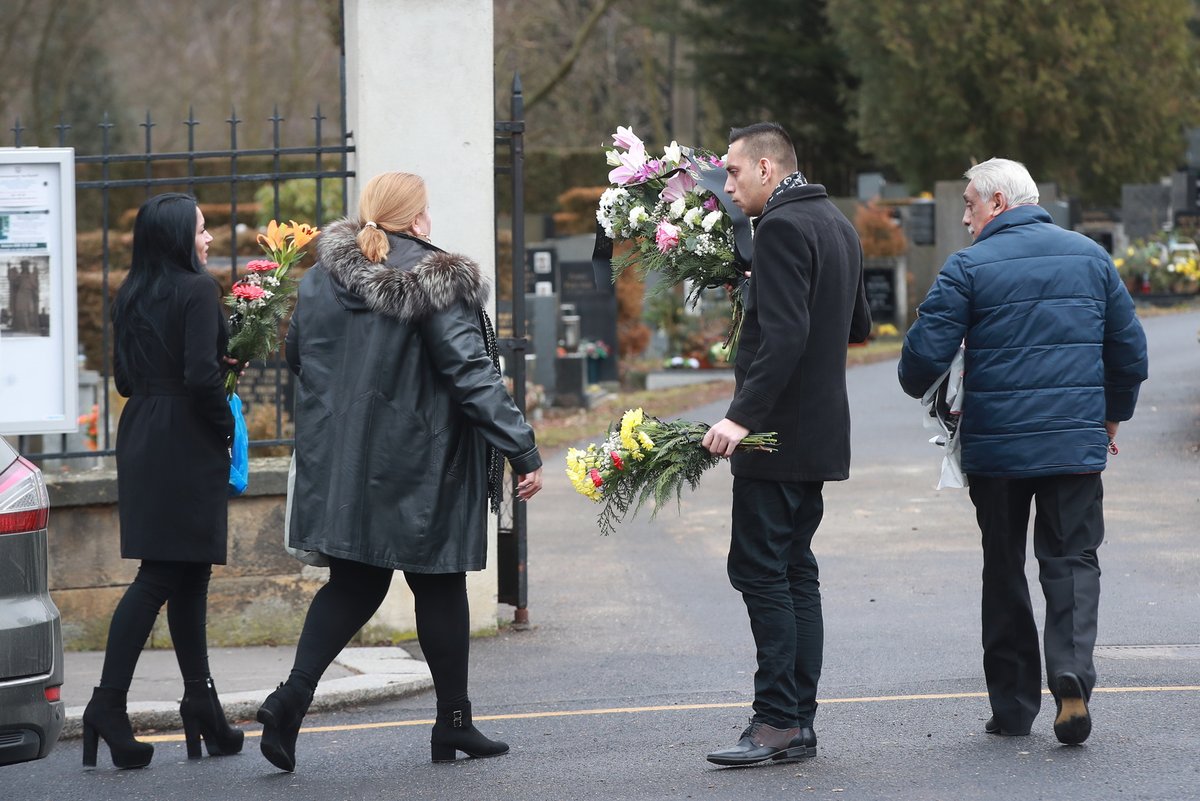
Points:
[[1067, 529], [771, 564], [353, 593], [183, 587]]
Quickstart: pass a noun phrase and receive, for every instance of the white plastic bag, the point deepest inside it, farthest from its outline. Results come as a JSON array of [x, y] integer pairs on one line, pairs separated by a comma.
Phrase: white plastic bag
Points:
[[943, 410]]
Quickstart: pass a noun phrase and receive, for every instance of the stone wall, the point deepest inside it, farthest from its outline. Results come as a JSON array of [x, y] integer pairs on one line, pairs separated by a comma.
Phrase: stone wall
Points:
[[259, 597]]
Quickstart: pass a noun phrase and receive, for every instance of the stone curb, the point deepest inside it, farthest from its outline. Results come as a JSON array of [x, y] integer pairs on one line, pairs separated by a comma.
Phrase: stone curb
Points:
[[384, 674]]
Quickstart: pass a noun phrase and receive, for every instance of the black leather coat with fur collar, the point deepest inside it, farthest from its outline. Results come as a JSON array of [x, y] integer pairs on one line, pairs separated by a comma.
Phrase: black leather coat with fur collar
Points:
[[396, 402]]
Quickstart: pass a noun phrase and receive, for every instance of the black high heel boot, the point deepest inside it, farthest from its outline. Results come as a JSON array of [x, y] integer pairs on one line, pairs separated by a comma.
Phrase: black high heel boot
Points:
[[203, 717], [105, 716], [281, 715], [453, 732]]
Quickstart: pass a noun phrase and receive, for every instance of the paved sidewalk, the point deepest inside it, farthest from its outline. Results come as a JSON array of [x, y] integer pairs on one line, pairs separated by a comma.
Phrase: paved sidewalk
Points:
[[244, 678]]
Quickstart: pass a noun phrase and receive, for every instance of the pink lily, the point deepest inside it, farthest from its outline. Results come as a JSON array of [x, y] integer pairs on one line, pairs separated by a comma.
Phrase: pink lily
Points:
[[677, 186]]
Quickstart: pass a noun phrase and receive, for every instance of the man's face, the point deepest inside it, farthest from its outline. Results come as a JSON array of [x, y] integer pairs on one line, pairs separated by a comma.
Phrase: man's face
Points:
[[747, 181], [977, 211]]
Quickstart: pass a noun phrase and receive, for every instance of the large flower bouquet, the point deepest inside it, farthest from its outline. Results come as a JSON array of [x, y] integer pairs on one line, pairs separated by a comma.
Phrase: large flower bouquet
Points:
[[677, 227], [263, 298], [645, 458]]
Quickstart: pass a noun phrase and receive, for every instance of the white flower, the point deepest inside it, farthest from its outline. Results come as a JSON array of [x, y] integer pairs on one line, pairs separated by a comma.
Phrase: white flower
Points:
[[692, 218], [605, 221], [638, 215], [612, 195], [711, 219], [678, 208], [613, 158], [673, 152]]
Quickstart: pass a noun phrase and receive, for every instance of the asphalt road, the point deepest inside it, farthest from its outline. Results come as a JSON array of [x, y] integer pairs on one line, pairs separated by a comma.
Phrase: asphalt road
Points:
[[639, 659]]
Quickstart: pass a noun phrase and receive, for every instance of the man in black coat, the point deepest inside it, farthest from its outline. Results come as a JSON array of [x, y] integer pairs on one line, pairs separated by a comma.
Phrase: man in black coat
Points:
[[804, 302]]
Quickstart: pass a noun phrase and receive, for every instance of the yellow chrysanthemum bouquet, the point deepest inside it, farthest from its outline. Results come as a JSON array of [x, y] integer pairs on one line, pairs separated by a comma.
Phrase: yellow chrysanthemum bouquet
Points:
[[642, 458]]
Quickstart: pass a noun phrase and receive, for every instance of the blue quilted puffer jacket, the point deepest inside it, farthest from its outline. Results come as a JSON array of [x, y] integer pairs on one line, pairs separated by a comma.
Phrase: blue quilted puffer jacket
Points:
[[1053, 347]]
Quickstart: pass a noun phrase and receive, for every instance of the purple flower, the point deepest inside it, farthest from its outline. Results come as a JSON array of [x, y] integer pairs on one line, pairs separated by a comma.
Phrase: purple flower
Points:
[[710, 203], [648, 170]]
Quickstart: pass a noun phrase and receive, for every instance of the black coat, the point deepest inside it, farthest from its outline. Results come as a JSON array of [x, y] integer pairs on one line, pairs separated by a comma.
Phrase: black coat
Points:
[[805, 301], [174, 433], [396, 403]]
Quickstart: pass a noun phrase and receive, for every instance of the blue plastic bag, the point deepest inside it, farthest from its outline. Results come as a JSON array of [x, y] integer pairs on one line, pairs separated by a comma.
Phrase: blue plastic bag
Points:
[[239, 452]]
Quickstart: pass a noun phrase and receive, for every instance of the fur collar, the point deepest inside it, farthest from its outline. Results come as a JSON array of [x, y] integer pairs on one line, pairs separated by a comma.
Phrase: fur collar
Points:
[[435, 283]]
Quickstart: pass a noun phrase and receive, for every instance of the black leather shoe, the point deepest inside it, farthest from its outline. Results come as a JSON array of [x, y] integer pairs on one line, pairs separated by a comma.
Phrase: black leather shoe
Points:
[[993, 727], [760, 743], [1073, 723]]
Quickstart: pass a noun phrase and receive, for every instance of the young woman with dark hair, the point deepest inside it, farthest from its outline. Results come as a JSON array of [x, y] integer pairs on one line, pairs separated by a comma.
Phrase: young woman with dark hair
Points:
[[172, 474]]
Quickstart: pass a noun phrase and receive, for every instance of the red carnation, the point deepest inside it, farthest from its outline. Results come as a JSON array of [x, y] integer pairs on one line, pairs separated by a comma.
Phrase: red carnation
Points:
[[617, 463], [262, 266], [245, 291], [595, 474]]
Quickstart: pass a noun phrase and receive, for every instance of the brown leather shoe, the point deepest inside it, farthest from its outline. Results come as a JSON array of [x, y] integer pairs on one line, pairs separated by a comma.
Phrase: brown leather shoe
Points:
[[760, 742]]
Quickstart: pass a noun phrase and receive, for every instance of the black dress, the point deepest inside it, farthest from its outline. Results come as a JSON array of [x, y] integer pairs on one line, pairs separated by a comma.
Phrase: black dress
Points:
[[173, 437]]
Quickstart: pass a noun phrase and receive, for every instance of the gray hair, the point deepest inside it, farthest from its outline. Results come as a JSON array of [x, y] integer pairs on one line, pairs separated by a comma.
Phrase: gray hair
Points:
[[1009, 178]]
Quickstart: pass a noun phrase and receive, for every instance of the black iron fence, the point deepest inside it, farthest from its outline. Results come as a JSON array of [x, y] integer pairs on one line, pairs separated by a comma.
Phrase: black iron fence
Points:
[[110, 186], [513, 578]]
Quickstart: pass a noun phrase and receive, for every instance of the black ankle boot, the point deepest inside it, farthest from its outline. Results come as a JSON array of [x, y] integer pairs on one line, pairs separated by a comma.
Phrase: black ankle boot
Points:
[[281, 715], [203, 717], [453, 731], [105, 716]]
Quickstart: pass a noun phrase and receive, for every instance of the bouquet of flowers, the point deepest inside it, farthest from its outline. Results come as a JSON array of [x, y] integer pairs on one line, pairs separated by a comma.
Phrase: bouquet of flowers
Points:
[[677, 227], [91, 433], [643, 458], [262, 299], [594, 350]]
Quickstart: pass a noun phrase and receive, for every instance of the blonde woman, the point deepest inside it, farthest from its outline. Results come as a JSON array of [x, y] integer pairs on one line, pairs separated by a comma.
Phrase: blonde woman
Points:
[[402, 419]]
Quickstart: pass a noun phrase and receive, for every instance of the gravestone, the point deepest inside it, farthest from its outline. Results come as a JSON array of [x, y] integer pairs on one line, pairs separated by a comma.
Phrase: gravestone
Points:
[[1145, 209], [887, 290], [595, 305], [922, 222], [597, 310]]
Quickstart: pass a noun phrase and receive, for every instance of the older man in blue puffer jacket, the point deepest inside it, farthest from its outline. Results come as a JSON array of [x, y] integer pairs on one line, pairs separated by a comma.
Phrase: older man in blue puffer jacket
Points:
[[1054, 359]]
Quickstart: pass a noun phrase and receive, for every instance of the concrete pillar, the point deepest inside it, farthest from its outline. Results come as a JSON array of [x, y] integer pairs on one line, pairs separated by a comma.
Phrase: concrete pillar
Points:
[[419, 98]]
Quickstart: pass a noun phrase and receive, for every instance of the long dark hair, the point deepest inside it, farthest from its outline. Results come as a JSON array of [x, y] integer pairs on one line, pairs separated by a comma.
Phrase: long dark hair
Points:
[[164, 238]]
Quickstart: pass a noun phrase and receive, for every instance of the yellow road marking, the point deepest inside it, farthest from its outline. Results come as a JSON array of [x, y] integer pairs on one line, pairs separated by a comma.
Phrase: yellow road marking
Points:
[[633, 710]]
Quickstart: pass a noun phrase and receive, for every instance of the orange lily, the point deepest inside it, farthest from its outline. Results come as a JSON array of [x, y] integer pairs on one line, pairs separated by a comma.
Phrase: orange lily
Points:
[[302, 234], [275, 237]]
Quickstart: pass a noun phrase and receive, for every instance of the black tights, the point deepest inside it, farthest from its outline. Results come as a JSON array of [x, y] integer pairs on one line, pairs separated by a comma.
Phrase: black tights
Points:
[[183, 587], [353, 593]]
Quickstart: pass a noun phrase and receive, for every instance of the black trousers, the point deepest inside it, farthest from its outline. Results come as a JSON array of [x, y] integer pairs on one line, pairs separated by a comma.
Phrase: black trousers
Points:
[[183, 587], [351, 596], [771, 564], [1068, 528]]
